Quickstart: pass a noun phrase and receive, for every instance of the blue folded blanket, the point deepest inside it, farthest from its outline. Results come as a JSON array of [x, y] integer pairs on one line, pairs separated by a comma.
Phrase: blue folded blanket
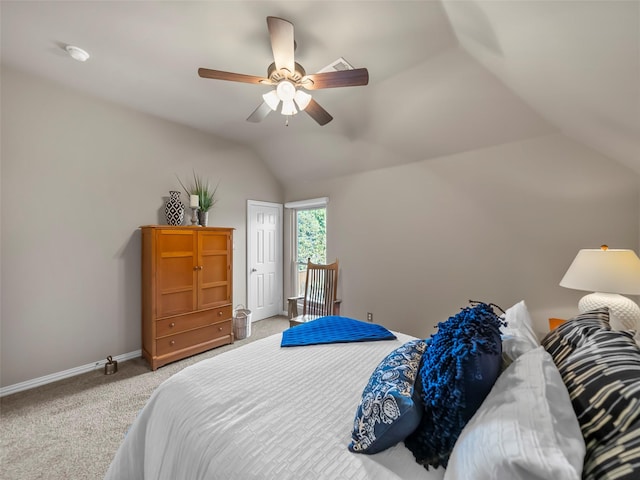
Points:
[[334, 329]]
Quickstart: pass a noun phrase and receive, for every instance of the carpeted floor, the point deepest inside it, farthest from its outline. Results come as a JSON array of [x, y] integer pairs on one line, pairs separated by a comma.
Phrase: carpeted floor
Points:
[[71, 429]]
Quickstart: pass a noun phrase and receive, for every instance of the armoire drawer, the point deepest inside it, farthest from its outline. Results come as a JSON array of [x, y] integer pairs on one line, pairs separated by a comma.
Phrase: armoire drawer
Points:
[[189, 321], [180, 341]]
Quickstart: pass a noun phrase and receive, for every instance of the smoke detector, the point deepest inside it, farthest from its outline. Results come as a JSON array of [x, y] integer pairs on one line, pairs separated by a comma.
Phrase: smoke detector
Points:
[[77, 53]]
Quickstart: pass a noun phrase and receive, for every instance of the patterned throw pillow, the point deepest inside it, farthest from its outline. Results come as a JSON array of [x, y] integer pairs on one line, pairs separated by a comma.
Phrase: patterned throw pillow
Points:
[[616, 459], [562, 341], [389, 410], [456, 374], [603, 379]]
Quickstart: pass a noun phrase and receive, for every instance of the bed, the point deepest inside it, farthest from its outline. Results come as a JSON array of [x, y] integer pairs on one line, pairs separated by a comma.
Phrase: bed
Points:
[[262, 411]]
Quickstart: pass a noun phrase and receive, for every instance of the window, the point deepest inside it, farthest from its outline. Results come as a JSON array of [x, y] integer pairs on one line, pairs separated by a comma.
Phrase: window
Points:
[[309, 232], [311, 242]]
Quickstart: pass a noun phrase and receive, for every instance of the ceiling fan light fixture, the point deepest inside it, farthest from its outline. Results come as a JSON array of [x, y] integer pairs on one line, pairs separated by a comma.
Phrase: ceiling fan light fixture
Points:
[[302, 99], [271, 98], [287, 76], [288, 108]]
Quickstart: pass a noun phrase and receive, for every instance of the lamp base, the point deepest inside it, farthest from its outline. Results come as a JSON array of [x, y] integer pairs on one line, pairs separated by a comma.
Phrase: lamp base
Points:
[[624, 313]]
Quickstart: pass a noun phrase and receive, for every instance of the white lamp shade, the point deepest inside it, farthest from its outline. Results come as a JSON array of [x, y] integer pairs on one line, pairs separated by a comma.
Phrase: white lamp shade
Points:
[[288, 108], [604, 270], [302, 99], [271, 98]]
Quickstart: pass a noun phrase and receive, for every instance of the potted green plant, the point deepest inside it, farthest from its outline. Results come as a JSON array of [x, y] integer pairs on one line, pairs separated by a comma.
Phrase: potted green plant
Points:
[[206, 196]]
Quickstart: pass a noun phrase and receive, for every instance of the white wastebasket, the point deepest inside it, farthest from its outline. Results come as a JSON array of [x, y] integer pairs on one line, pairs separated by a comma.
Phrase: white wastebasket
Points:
[[241, 322]]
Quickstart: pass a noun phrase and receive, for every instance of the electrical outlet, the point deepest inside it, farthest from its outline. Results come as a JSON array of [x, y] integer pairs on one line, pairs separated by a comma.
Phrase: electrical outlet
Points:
[[369, 317]]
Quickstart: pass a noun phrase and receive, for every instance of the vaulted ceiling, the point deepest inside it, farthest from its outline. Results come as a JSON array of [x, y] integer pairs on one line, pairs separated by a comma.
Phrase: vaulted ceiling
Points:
[[445, 76]]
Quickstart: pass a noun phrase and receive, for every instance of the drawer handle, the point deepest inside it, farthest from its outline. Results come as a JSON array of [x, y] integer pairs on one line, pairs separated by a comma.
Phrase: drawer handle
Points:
[[172, 342], [172, 324], [220, 313], [219, 329]]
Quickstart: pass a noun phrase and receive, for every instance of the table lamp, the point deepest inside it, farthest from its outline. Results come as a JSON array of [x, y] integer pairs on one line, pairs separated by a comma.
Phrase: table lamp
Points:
[[608, 273]]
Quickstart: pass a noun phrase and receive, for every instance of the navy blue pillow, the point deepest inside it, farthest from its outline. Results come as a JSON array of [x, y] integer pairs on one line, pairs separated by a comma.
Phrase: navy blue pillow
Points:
[[390, 409], [456, 374]]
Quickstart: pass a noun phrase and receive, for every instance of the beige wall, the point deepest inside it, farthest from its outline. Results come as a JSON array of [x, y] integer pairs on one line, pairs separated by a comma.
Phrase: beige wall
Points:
[[499, 224], [79, 176]]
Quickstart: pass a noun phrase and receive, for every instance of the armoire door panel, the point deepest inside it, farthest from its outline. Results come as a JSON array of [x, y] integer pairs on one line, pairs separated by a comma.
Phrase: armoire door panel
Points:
[[176, 285], [214, 276], [214, 268], [176, 241], [213, 295], [212, 241], [174, 303], [176, 272]]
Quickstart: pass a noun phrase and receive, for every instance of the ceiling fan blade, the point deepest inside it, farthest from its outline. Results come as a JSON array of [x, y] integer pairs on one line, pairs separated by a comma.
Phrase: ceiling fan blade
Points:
[[342, 78], [318, 113], [282, 43], [233, 77], [260, 113]]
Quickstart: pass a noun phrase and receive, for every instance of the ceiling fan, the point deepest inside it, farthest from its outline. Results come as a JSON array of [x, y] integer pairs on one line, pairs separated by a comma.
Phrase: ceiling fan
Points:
[[290, 78]]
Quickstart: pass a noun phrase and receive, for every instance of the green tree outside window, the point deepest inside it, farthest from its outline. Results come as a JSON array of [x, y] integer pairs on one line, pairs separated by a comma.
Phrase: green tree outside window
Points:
[[312, 236]]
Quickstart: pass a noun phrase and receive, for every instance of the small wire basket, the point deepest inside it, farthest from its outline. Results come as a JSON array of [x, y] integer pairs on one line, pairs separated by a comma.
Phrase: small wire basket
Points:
[[241, 322]]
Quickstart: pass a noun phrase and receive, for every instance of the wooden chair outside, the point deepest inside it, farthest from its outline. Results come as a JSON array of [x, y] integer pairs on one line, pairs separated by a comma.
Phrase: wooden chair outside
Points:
[[321, 288]]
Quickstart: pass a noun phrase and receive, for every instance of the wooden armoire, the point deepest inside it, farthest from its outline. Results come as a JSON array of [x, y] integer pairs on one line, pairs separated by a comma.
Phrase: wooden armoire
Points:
[[186, 291]]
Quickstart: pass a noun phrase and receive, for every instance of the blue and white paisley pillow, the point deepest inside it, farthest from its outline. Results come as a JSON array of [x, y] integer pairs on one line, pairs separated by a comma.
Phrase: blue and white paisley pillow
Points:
[[390, 408]]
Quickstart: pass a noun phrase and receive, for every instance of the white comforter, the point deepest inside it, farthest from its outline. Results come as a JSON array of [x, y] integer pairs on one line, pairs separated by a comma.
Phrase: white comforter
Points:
[[263, 412]]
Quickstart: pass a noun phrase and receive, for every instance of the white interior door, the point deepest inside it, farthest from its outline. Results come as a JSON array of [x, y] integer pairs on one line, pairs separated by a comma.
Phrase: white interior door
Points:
[[264, 262]]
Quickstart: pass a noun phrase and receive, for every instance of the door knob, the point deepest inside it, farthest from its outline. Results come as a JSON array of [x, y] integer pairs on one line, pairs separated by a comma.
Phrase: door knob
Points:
[[254, 270]]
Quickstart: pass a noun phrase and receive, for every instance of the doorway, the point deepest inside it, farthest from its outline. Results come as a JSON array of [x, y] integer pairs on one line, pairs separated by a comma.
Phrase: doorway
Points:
[[264, 259]]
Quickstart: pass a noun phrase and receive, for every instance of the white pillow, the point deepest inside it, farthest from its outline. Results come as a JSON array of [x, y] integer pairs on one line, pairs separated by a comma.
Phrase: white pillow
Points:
[[525, 429], [518, 336]]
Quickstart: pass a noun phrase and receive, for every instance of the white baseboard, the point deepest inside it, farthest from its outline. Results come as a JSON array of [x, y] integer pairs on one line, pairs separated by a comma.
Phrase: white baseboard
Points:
[[54, 377]]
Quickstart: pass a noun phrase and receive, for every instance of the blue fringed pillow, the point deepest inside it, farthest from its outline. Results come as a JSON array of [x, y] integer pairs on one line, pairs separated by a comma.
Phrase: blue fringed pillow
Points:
[[456, 374], [390, 409]]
